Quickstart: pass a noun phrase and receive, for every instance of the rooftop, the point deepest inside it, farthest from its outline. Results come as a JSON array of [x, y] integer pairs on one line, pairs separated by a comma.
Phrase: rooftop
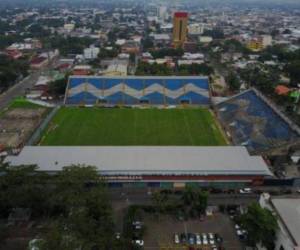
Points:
[[146, 160], [288, 210]]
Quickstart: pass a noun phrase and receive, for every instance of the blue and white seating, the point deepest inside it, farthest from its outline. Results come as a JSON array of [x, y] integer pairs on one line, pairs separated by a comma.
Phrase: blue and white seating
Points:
[[136, 90]]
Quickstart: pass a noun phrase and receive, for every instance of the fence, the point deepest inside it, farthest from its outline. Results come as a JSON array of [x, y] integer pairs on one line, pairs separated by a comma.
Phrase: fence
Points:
[[35, 138]]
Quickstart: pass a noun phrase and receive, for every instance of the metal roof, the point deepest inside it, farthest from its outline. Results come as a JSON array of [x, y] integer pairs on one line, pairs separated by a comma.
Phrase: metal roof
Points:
[[146, 160], [140, 77], [288, 210]]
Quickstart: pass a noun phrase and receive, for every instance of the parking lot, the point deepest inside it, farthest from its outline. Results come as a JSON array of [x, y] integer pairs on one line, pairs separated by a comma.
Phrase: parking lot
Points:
[[160, 232]]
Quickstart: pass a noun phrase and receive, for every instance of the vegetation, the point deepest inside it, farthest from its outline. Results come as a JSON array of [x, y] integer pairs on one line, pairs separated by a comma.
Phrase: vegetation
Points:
[[214, 33], [105, 53], [7, 40], [154, 69], [161, 53], [236, 46], [195, 69], [22, 103], [143, 127], [261, 226], [67, 45], [233, 81], [11, 71], [58, 87], [264, 78], [75, 200], [195, 201]]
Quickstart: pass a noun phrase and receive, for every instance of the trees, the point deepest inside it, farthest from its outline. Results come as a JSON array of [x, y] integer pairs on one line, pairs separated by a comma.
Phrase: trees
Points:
[[161, 53], [261, 226], [67, 45], [195, 69], [145, 68], [233, 45], [20, 187], [263, 77], [147, 43], [214, 33], [293, 71], [10, 71], [195, 200], [233, 81], [58, 87], [75, 200], [81, 200]]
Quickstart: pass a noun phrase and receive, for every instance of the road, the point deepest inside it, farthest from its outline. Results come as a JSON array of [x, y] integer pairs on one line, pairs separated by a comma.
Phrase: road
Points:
[[144, 198], [18, 89]]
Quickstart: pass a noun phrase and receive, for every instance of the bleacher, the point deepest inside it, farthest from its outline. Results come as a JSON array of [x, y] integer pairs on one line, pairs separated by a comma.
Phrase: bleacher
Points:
[[136, 90], [252, 121]]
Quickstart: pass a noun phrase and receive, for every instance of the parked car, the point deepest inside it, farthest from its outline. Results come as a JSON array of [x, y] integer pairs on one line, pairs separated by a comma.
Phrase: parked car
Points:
[[182, 238], [204, 239], [214, 247], [198, 239], [218, 238], [139, 242], [191, 239], [137, 225], [211, 239], [245, 191], [176, 239]]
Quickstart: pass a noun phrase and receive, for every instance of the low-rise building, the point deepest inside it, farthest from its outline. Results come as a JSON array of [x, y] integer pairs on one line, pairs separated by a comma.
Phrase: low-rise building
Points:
[[287, 211]]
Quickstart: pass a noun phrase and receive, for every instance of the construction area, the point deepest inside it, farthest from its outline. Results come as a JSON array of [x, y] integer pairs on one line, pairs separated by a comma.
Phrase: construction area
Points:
[[17, 125]]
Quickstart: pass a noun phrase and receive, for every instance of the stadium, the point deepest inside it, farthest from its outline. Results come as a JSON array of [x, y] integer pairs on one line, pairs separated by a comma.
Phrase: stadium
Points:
[[164, 143], [137, 90], [146, 166], [251, 120]]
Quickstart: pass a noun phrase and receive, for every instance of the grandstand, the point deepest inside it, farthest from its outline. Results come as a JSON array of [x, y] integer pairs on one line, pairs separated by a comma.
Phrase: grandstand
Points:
[[252, 121], [90, 90]]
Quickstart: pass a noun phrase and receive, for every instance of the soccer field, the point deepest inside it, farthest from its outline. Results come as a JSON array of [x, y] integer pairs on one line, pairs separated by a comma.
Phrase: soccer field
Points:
[[95, 126]]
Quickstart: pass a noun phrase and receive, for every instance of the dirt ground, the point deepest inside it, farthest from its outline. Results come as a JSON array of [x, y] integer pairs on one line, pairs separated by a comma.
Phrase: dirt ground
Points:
[[16, 125]]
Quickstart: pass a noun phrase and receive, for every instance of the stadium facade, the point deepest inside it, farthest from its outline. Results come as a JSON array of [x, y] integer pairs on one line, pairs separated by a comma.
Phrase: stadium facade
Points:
[[135, 90], [147, 166]]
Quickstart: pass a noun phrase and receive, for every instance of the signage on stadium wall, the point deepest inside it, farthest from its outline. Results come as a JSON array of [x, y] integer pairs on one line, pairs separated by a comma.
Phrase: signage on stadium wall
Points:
[[123, 177]]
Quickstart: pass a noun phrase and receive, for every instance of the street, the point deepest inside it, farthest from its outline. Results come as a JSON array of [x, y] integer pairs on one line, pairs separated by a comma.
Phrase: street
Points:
[[18, 89]]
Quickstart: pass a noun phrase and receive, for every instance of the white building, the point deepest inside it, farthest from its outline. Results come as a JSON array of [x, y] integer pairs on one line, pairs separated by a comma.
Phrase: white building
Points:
[[196, 29], [162, 13], [205, 39], [287, 211], [91, 53], [69, 27], [266, 40], [192, 56], [189, 62]]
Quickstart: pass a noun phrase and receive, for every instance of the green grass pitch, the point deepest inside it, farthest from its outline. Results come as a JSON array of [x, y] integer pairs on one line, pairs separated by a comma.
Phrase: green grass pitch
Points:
[[149, 127]]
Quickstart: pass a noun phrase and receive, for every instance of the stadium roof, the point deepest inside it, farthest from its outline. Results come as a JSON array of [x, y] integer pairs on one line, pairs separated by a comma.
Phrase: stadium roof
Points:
[[146, 160], [138, 77], [289, 213]]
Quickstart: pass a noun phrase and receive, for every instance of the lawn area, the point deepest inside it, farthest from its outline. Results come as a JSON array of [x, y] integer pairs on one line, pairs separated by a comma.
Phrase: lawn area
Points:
[[23, 103], [96, 126]]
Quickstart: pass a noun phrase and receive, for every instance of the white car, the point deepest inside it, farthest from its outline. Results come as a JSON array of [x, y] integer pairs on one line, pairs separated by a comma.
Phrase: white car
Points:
[[239, 232], [237, 227], [176, 239], [198, 239], [137, 225], [246, 191], [139, 242], [204, 239], [211, 239]]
